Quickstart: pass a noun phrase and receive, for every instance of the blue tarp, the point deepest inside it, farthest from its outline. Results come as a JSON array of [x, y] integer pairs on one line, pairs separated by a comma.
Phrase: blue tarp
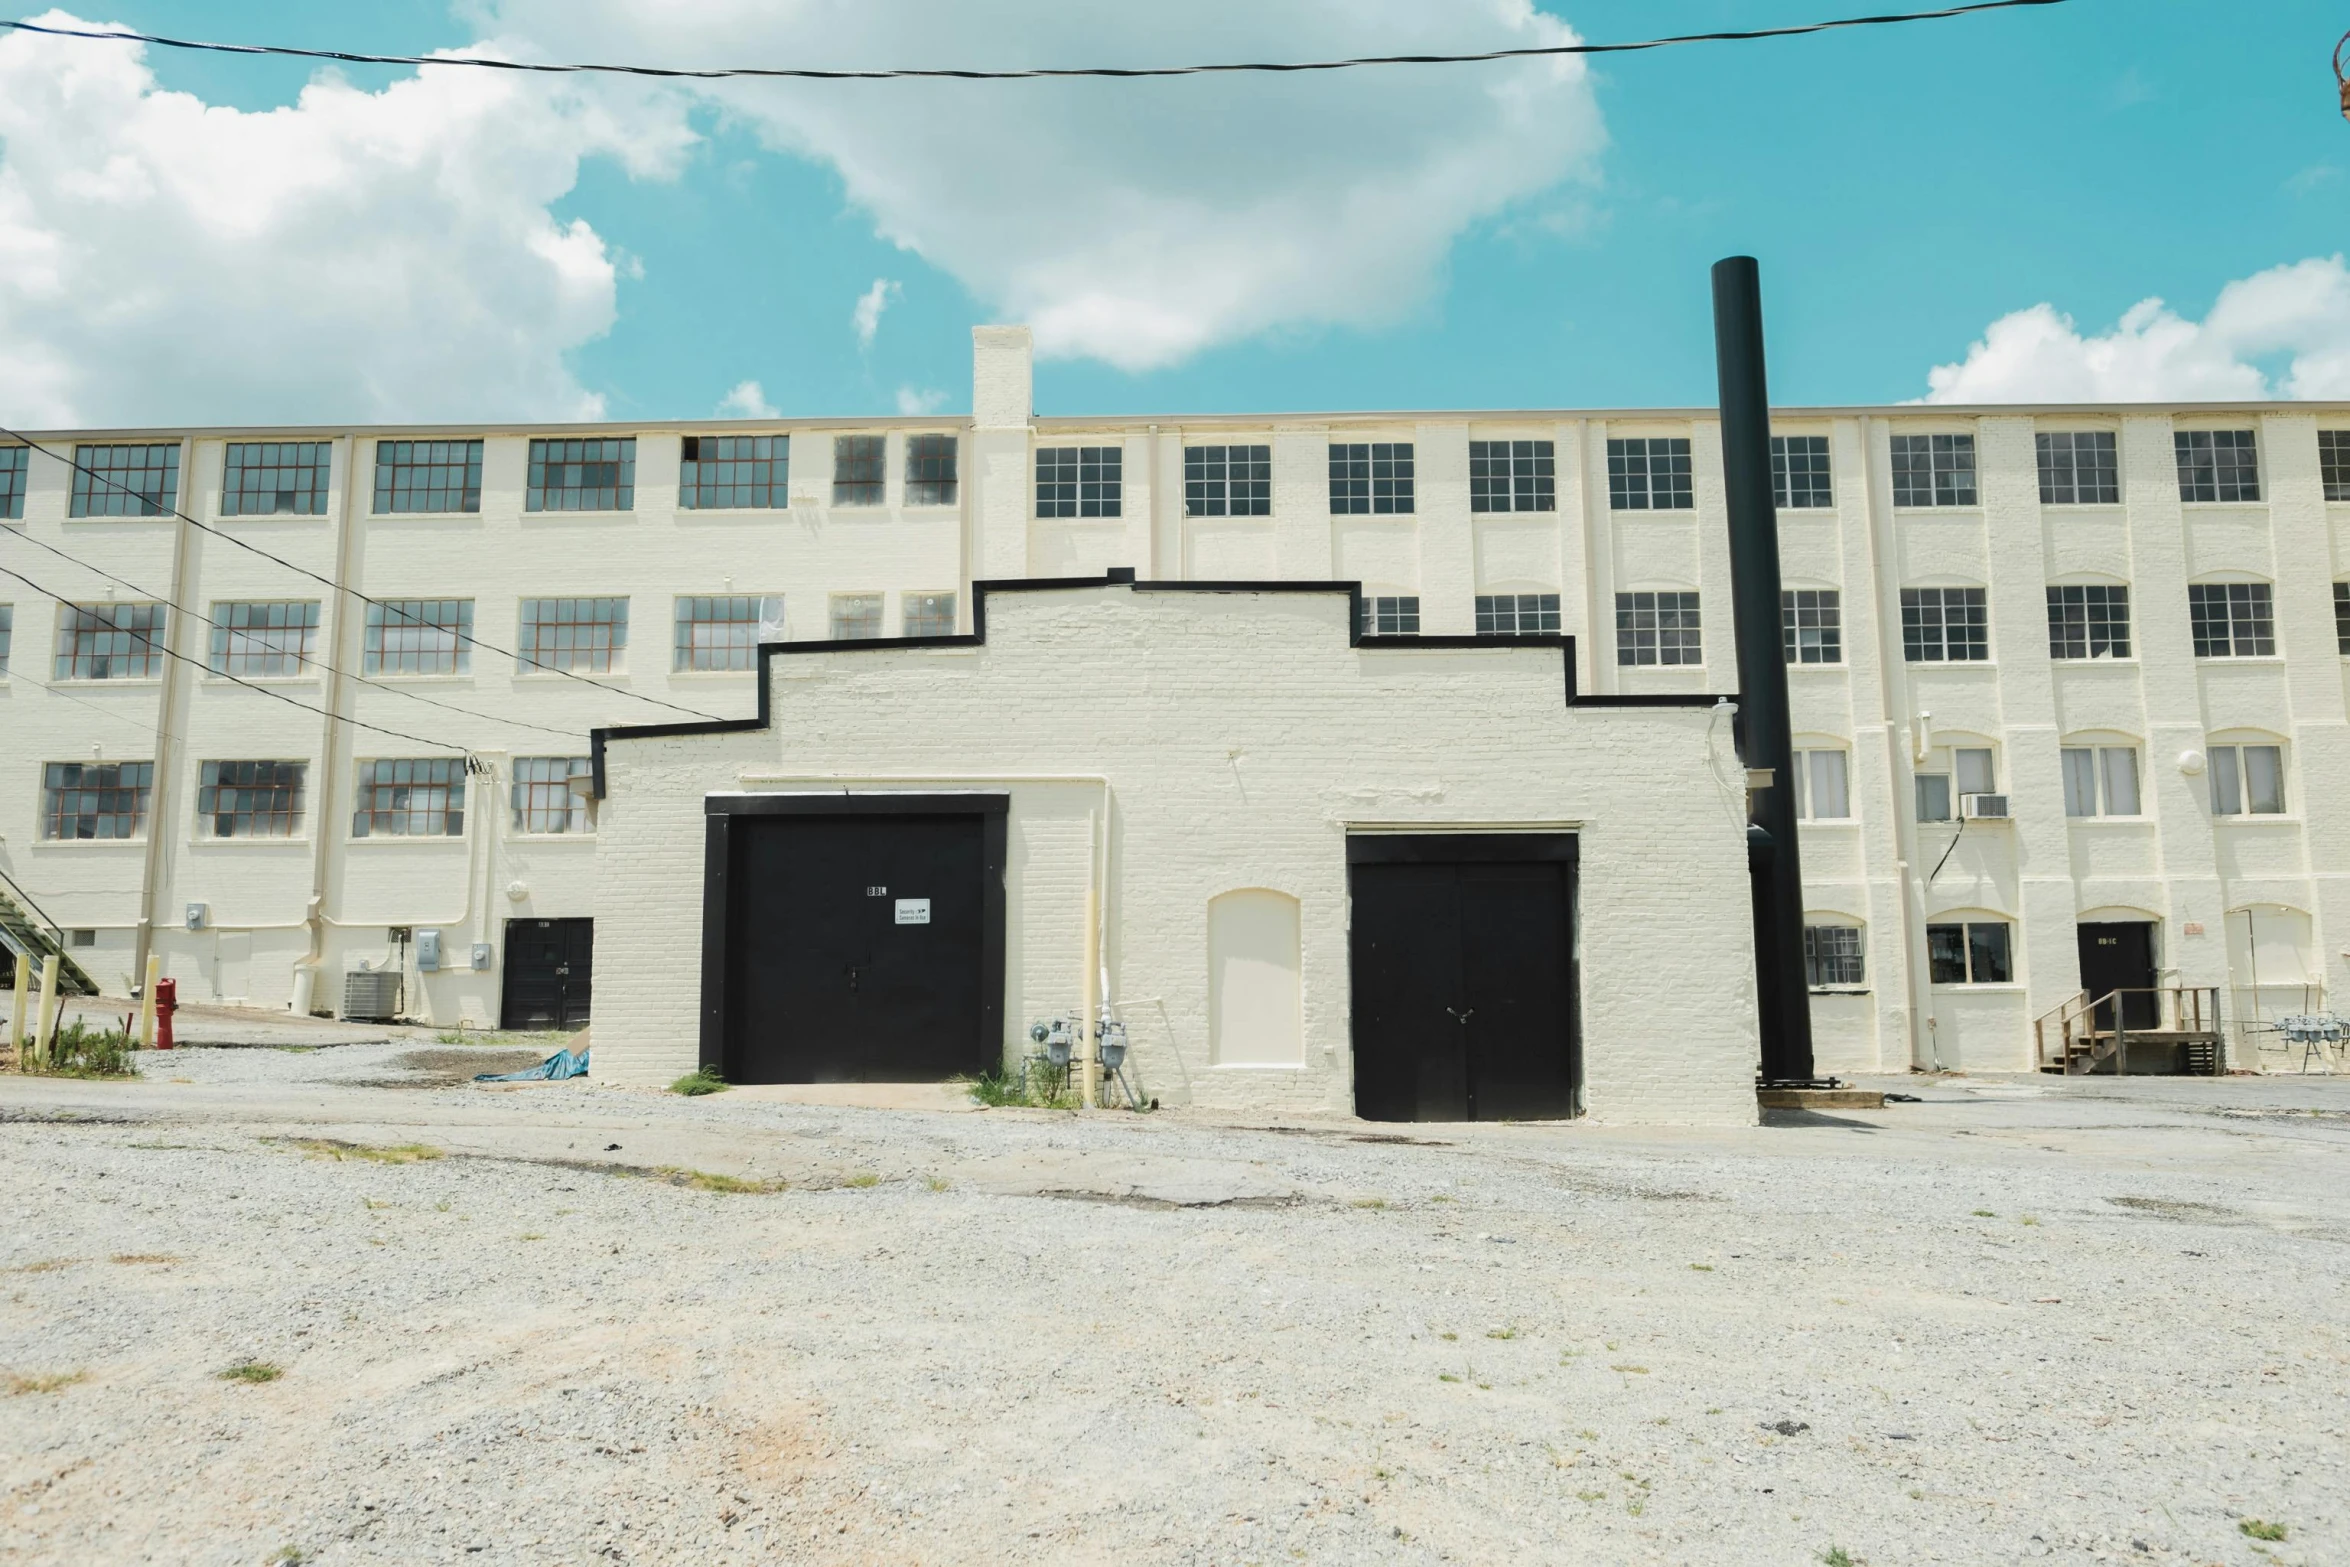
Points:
[[554, 1069]]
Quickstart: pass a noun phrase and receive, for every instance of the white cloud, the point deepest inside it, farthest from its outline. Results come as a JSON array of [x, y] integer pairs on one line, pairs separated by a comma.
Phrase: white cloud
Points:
[[747, 400], [1139, 222], [362, 255], [922, 400], [2295, 317], [870, 304]]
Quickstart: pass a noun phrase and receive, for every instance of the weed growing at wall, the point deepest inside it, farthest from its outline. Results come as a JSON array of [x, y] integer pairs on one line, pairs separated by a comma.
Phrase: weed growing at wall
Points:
[[78, 1050]]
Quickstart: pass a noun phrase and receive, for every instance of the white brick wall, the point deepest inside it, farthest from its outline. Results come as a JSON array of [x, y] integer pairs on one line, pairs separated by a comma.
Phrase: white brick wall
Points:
[[1242, 738]]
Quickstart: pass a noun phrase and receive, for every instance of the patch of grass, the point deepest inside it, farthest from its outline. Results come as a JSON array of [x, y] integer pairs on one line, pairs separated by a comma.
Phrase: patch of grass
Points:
[[1000, 1090], [1590, 1496], [46, 1265], [19, 1386], [1446, 1376], [292, 1555], [1985, 1213], [78, 1050], [531, 1237], [863, 1180], [2025, 1218], [1372, 1203], [251, 1371], [1630, 1371], [2259, 1529], [1501, 1333], [1441, 1197], [1836, 1556], [373, 1153], [1701, 1267], [1587, 1436], [159, 1258], [1450, 1338], [701, 1080], [937, 1183], [711, 1181]]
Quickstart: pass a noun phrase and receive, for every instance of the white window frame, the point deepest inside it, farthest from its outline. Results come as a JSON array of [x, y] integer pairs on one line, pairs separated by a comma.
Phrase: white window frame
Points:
[[1822, 772], [2091, 788], [2244, 774]]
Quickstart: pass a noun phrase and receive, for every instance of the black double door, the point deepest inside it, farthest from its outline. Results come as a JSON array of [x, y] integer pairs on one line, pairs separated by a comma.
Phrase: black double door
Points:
[[2119, 955], [550, 974], [858, 950], [1462, 955]]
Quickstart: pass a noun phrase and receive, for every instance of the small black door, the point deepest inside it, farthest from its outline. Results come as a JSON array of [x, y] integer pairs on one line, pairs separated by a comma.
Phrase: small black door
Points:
[[550, 967], [858, 950], [1462, 953], [2120, 956]]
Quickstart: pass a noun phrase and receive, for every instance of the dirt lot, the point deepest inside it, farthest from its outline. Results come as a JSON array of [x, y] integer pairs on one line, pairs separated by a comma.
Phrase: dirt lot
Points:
[[2026, 1319]]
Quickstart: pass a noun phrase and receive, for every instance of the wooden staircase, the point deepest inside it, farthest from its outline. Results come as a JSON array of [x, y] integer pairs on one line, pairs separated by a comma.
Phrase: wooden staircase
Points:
[[2087, 1032], [19, 933]]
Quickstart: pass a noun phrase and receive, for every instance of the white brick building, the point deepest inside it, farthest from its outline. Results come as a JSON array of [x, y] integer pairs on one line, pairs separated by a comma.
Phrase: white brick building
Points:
[[2130, 622]]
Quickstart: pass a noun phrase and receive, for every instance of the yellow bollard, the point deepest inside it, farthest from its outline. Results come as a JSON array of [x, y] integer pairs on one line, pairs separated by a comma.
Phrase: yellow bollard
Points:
[[45, 1026], [20, 998], [147, 1001]]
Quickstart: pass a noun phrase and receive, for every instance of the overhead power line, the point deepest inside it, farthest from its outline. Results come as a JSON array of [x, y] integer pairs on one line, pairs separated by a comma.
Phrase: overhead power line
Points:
[[386, 606], [811, 73]]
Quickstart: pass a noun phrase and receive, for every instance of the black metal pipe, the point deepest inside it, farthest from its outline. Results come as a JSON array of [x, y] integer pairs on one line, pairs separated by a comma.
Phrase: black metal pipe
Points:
[[1783, 1000]]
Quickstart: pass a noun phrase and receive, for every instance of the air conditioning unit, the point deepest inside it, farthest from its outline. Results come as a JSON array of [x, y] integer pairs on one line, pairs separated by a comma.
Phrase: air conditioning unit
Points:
[[371, 997], [1983, 807]]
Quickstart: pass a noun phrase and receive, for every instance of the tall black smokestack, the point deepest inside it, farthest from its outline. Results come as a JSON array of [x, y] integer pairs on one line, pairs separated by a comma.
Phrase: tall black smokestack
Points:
[[1783, 999]]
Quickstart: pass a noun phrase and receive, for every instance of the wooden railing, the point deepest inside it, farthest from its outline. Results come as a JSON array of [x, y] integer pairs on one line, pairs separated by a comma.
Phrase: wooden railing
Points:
[[2087, 1030]]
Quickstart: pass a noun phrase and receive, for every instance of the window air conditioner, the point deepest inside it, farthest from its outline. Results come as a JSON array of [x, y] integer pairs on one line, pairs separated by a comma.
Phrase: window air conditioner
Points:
[[1983, 807]]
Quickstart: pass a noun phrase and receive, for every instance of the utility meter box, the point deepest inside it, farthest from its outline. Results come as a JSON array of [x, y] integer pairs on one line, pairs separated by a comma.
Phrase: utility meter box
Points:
[[428, 951], [198, 914], [481, 957]]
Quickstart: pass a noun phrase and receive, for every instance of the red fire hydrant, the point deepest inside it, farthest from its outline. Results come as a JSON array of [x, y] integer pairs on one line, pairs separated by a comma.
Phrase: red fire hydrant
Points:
[[167, 1000]]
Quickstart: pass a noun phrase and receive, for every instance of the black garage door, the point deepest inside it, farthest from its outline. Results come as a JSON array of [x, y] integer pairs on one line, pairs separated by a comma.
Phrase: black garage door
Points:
[[1462, 952], [863, 942], [549, 974]]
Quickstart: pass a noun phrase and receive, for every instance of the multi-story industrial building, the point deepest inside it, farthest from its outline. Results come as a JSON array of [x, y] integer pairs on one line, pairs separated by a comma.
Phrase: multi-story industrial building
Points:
[[2071, 685]]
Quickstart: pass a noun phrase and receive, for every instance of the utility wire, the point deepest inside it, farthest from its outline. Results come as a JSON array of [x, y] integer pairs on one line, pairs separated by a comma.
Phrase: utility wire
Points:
[[389, 608], [380, 685], [357, 723], [804, 73]]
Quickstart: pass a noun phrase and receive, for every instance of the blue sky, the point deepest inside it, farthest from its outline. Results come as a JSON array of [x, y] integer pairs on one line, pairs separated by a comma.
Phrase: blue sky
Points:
[[1904, 187]]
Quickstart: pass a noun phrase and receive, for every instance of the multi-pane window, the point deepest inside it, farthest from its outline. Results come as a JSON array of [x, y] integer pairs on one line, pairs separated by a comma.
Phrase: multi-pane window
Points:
[[930, 470], [2341, 617], [1228, 481], [125, 481], [1649, 474], [2079, 468], [1811, 625], [2090, 620], [92, 800], [418, 637], [1822, 791], [1973, 953], [109, 642], [2233, 619], [1393, 616], [427, 476], [1657, 628], [12, 480], [1800, 479], [2217, 465], [1832, 955], [2247, 780], [1945, 625], [275, 478], [2333, 463], [859, 475], [419, 798], [1517, 614], [856, 617], [583, 634], [7, 635], [1933, 470], [1513, 476], [1080, 481], [2100, 780], [927, 615], [250, 799], [1370, 478], [544, 800], [1974, 771], [276, 638], [582, 475], [723, 472], [724, 632]]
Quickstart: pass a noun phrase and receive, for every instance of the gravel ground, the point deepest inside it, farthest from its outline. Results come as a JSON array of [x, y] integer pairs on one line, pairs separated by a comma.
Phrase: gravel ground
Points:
[[2027, 1319]]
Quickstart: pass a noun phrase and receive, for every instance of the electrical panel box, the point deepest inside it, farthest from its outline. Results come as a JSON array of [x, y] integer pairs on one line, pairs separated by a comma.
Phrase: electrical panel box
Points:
[[481, 957], [428, 951], [198, 914]]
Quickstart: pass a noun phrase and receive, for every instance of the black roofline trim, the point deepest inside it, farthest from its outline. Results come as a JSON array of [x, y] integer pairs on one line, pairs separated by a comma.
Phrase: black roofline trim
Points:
[[1120, 576]]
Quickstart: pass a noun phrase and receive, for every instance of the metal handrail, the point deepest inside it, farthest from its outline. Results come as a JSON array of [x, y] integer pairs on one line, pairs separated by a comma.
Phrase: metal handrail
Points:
[[2179, 1009]]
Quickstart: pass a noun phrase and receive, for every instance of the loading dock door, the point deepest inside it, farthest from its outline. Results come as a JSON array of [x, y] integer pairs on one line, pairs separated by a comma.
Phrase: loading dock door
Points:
[[859, 949], [1462, 954], [549, 974]]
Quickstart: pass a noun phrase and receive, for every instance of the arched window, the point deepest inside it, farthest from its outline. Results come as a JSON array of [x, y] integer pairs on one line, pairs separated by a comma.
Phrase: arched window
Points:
[[2247, 774], [1254, 1016], [1822, 781], [2101, 775]]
